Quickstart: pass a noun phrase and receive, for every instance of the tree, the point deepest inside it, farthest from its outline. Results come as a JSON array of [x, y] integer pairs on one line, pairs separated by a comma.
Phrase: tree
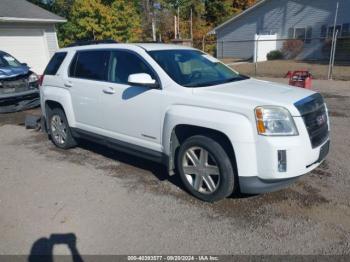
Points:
[[97, 20], [127, 21], [242, 4], [131, 20], [217, 11]]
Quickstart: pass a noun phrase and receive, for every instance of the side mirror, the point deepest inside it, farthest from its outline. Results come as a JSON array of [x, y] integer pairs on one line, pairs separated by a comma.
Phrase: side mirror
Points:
[[24, 64], [143, 79]]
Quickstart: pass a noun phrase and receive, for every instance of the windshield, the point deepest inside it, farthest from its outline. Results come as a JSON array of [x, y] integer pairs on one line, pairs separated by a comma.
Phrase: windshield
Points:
[[8, 61], [192, 68]]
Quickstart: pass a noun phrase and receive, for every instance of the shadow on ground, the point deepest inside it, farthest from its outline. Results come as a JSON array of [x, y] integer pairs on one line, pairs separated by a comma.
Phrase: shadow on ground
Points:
[[42, 249]]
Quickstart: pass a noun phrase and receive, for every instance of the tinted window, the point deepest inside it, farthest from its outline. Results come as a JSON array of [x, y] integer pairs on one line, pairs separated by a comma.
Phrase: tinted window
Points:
[[91, 65], [55, 63], [73, 65], [123, 64]]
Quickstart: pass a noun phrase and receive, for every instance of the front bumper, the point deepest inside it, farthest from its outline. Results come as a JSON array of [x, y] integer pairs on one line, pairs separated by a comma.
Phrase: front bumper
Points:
[[258, 163], [19, 101], [256, 185], [274, 180]]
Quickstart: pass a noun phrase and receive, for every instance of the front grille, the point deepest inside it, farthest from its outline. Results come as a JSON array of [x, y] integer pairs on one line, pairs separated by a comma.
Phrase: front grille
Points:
[[16, 84], [314, 113], [20, 83]]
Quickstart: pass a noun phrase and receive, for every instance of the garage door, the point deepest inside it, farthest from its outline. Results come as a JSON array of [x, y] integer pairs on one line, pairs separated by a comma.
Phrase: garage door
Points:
[[27, 45]]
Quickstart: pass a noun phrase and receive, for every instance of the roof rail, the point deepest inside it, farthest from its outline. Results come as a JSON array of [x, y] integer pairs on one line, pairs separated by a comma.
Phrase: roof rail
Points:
[[93, 42]]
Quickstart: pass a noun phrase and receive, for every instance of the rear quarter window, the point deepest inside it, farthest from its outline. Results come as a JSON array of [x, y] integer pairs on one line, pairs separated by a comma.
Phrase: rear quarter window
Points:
[[55, 63]]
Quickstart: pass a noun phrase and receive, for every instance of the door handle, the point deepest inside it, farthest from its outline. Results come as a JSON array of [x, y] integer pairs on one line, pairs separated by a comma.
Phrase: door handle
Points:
[[109, 90], [68, 84]]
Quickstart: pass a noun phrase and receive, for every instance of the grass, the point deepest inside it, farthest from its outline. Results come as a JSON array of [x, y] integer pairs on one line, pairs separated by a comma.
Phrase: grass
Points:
[[279, 68]]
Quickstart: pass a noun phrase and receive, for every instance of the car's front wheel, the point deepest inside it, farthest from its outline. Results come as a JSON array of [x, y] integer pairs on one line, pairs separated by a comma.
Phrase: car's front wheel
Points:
[[60, 132], [205, 168]]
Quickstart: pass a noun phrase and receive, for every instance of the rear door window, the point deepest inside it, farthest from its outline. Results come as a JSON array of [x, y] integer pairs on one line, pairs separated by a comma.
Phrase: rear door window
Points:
[[92, 65], [55, 63]]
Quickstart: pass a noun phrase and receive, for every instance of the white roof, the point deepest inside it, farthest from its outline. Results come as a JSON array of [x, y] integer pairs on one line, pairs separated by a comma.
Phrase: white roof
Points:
[[145, 46], [155, 46]]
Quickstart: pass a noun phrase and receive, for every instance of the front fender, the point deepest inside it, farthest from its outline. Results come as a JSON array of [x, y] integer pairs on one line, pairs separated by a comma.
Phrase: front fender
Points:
[[237, 127], [61, 96]]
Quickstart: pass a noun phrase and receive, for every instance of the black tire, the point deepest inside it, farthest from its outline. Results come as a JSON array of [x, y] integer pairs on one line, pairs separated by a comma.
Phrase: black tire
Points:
[[69, 141], [226, 183]]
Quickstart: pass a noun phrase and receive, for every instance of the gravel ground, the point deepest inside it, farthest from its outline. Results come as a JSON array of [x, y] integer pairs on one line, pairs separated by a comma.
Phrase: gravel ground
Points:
[[117, 204]]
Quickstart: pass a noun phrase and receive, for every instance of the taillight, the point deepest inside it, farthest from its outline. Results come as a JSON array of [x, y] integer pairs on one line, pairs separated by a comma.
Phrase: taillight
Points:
[[41, 80]]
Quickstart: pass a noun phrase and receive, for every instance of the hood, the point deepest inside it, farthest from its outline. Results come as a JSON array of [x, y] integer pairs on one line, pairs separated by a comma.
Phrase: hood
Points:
[[252, 93], [8, 72]]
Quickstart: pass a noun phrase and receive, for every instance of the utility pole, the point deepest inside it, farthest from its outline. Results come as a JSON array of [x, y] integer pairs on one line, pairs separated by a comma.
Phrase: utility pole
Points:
[[331, 58], [154, 33], [191, 25], [334, 49], [175, 27], [178, 22]]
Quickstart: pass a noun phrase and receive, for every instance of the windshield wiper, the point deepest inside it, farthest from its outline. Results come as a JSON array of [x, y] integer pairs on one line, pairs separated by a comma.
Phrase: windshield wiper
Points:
[[219, 82]]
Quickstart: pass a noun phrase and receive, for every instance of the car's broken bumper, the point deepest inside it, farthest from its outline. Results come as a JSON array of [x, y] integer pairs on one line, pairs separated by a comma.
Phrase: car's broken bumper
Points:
[[19, 101]]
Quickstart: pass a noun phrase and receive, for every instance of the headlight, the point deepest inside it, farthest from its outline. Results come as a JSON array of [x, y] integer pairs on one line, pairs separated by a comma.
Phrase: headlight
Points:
[[274, 121], [33, 78]]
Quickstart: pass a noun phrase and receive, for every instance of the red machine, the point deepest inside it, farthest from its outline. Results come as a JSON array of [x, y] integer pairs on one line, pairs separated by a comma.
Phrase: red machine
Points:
[[301, 78]]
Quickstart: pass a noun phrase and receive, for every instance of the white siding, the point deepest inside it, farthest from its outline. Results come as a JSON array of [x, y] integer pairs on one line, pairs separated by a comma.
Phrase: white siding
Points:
[[51, 38], [277, 16], [33, 44]]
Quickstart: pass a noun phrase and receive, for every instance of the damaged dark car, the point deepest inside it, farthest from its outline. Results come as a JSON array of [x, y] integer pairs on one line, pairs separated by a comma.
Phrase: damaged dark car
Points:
[[19, 86]]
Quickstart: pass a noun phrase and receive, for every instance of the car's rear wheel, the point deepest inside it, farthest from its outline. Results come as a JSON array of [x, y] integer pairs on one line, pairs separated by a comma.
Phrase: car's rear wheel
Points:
[[205, 169], [60, 132]]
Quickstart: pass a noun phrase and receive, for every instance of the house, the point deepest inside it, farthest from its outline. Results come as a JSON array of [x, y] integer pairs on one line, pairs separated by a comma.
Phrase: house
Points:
[[310, 21], [28, 33]]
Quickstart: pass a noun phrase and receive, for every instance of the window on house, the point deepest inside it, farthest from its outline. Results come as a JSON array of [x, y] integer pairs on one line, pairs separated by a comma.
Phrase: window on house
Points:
[[330, 30], [300, 33], [323, 31], [304, 34], [346, 30], [291, 33], [308, 35]]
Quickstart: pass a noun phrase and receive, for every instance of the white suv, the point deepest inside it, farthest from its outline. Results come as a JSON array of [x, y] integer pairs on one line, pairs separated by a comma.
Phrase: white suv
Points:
[[218, 130]]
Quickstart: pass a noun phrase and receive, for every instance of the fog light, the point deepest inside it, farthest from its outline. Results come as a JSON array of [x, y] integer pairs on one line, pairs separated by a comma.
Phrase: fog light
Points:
[[282, 160]]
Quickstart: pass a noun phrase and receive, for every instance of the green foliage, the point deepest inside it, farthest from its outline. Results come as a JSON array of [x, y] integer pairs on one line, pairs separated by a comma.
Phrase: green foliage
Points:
[[93, 20], [274, 55], [131, 20], [217, 11]]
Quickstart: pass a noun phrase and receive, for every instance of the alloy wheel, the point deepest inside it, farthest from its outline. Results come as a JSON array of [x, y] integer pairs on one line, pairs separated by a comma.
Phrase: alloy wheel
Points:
[[201, 170], [58, 130]]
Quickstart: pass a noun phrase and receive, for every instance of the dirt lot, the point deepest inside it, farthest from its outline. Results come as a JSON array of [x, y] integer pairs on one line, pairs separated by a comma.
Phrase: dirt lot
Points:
[[279, 69], [117, 204]]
